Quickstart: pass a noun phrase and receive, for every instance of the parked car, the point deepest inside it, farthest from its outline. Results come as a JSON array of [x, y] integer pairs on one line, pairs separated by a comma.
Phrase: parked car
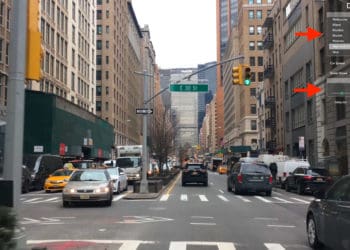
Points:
[[40, 167], [328, 217], [286, 167], [120, 181], [26, 179], [195, 173], [249, 177], [308, 180], [58, 180], [153, 169], [87, 185]]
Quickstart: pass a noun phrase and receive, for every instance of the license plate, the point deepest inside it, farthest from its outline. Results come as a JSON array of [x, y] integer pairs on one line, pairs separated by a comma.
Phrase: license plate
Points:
[[55, 186], [84, 196], [319, 179], [194, 173]]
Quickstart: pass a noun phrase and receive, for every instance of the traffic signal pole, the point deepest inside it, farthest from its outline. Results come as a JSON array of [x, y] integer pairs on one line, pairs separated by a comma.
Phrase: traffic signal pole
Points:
[[15, 107]]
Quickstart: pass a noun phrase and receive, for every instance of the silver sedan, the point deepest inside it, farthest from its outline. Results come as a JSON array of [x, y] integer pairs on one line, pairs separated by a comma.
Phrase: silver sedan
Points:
[[87, 185], [119, 178]]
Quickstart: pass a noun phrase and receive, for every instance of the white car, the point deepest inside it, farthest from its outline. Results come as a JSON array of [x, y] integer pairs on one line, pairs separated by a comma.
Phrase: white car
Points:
[[284, 168], [119, 178]]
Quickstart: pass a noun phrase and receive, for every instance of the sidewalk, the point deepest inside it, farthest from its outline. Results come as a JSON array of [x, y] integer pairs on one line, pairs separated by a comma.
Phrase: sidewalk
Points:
[[147, 196]]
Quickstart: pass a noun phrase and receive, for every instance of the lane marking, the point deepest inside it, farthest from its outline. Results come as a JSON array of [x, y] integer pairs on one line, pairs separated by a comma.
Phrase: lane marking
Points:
[[283, 200], [47, 200], [203, 223], [302, 201], [164, 197], [274, 246], [223, 198], [282, 226], [184, 197], [182, 245], [221, 191], [203, 198], [265, 218], [202, 217], [119, 197], [243, 199], [278, 193], [173, 185], [262, 199], [30, 200]]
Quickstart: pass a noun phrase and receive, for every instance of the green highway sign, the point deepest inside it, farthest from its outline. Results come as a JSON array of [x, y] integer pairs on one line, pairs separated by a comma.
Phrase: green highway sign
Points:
[[188, 87]]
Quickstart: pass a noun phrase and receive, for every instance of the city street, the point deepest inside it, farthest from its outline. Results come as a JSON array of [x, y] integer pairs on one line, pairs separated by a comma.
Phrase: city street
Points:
[[191, 217]]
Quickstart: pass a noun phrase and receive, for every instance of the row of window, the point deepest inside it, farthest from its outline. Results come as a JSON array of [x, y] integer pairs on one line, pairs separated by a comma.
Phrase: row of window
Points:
[[252, 29], [255, 14], [84, 46], [259, 45], [259, 59], [49, 87], [2, 45], [2, 15], [84, 25], [48, 65], [258, 1]]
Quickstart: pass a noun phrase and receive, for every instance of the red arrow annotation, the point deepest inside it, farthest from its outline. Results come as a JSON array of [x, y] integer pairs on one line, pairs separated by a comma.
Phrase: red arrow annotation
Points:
[[310, 90], [311, 34]]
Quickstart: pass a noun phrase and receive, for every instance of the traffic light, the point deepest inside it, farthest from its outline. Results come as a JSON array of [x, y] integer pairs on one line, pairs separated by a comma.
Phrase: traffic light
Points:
[[237, 74], [246, 75], [33, 41]]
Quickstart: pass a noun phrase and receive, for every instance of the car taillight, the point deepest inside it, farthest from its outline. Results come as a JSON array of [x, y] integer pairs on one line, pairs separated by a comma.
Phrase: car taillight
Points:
[[284, 174], [270, 179], [240, 178], [307, 177], [329, 178]]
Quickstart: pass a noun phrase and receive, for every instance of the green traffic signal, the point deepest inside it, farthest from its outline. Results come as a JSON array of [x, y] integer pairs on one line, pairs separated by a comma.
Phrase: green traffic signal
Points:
[[247, 75], [247, 82]]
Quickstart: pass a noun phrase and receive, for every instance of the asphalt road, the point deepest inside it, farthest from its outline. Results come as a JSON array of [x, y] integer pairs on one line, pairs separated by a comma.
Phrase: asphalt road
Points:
[[191, 217]]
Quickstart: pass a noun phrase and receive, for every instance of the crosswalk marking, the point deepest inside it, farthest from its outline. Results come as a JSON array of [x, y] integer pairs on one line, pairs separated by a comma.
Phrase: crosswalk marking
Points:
[[203, 198], [117, 198], [223, 198], [280, 199], [182, 245], [47, 200], [243, 199], [300, 200], [165, 197], [33, 199], [184, 197], [262, 199], [274, 246]]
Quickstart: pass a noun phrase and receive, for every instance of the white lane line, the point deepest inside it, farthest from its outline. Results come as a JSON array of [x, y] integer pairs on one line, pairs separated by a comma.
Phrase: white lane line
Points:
[[203, 198], [117, 198], [243, 199], [278, 193], [202, 217], [283, 200], [46, 200], [262, 199], [221, 191], [22, 199], [310, 198], [265, 218], [223, 198], [282, 226], [31, 200], [182, 245], [203, 223], [300, 200], [165, 197], [29, 220], [274, 246], [184, 197]]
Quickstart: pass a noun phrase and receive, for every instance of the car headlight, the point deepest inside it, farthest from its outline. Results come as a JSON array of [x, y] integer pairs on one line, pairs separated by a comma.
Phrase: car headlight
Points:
[[137, 175], [69, 190], [66, 180], [102, 190]]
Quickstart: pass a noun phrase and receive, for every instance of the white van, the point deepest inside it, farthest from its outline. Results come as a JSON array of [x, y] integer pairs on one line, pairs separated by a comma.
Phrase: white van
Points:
[[269, 158], [286, 167]]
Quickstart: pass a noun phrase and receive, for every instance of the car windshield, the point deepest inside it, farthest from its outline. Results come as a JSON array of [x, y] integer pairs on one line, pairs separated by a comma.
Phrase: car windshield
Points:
[[112, 171], [318, 172], [29, 161], [89, 176], [255, 168], [82, 164], [62, 172], [128, 162], [195, 166]]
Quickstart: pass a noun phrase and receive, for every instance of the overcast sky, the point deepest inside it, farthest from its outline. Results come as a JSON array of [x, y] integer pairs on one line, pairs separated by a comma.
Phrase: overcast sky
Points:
[[182, 31]]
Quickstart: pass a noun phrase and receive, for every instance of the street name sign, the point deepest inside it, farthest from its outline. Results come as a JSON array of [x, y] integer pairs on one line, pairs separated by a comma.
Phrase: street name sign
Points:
[[188, 87], [144, 111]]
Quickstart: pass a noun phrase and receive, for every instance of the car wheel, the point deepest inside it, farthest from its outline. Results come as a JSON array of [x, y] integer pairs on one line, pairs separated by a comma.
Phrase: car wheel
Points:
[[65, 204], [109, 202], [47, 191], [229, 189], [118, 189], [183, 184], [268, 193], [287, 187], [25, 188], [205, 183], [312, 233], [234, 189], [300, 189], [126, 187]]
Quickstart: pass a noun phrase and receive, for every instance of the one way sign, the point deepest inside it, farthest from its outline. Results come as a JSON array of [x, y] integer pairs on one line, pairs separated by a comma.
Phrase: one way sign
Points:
[[144, 111]]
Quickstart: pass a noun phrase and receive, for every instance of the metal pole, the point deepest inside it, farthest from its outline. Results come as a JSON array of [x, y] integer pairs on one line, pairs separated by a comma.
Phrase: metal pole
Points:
[[144, 181], [15, 106]]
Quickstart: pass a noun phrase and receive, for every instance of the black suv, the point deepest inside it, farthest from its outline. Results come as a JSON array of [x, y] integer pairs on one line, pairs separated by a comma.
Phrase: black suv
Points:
[[195, 173], [249, 177]]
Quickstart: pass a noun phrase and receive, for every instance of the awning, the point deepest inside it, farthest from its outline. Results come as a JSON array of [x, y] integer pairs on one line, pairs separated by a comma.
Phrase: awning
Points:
[[240, 149]]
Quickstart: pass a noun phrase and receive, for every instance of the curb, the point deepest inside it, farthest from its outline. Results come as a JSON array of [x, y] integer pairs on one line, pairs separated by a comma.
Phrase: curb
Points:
[[150, 196]]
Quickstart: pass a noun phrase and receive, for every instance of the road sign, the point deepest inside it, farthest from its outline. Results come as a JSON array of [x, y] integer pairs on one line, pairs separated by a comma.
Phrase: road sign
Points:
[[144, 111], [188, 87]]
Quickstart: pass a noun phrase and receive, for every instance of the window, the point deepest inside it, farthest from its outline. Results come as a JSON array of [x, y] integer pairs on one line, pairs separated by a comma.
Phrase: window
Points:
[[99, 2], [252, 61], [107, 90], [99, 44], [308, 76], [99, 14], [107, 59], [98, 75], [260, 76], [340, 107], [107, 44], [320, 20], [258, 1], [298, 117], [73, 34], [251, 14], [309, 111], [107, 14], [98, 90], [73, 82], [106, 106], [73, 11], [107, 29], [253, 92], [251, 45], [73, 57], [251, 30], [99, 29], [260, 61], [259, 14], [1, 45], [253, 125], [259, 30], [260, 45], [253, 109], [252, 78], [251, 1], [107, 75], [322, 61], [98, 59], [98, 105], [286, 90]]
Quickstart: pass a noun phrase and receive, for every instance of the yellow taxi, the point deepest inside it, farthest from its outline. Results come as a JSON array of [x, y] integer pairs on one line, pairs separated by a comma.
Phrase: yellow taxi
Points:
[[58, 179], [222, 169]]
